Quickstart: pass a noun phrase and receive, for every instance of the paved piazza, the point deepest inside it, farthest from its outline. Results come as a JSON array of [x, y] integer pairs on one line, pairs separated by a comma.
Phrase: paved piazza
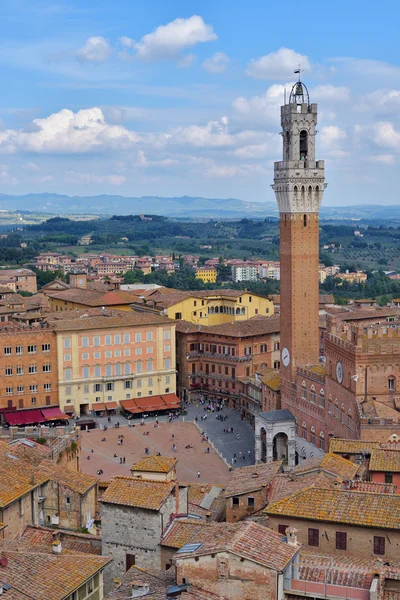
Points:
[[212, 468]]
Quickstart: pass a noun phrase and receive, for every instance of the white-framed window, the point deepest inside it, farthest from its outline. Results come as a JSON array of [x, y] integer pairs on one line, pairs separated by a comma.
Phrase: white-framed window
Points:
[[96, 340], [167, 334], [138, 351], [127, 385], [127, 352], [68, 401], [118, 369], [67, 374], [108, 340], [46, 368], [19, 350], [45, 347], [20, 389], [20, 370], [117, 339], [9, 391], [167, 348], [391, 384], [32, 369], [33, 400], [117, 353], [167, 363], [149, 365], [32, 349], [138, 337], [98, 387], [149, 350], [47, 387], [85, 356], [97, 371], [109, 387], [109, 398], [150, 381], [138, 383], [149, 336], [85, 372], [68, 390], [127, 368], [85, 342], [139, 366], [167, 379], [139, 394], [86, 388], [108, 370], [33, 387], [8, 371], [67, 343], [7, 350], [127, 338], [108, 354], [97, 355]]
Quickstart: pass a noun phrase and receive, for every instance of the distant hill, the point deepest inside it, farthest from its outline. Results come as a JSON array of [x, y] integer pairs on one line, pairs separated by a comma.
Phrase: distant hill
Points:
[[185, 206]]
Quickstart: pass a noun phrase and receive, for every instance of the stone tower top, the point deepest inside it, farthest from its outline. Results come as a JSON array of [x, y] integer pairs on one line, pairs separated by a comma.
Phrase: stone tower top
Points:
[[299, 180]]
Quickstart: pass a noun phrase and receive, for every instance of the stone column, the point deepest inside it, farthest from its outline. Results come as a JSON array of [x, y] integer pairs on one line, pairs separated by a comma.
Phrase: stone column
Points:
[[258, 447], [291, 447]]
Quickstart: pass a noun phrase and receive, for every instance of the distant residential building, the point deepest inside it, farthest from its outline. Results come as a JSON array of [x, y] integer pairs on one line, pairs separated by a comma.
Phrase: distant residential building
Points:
[[244, 272], [356, 277], [19, 280], [206, 274], [270, 270]]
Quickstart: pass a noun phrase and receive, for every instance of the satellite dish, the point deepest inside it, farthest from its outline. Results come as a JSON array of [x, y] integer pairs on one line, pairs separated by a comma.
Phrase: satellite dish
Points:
[[4, 561]]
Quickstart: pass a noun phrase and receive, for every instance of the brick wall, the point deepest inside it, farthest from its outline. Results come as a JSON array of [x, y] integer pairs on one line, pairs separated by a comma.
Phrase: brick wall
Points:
[[360, 540], [236, 512]]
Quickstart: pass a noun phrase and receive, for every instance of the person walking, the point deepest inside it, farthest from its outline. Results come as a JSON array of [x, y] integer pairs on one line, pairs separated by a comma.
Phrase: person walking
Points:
[[198, 474]]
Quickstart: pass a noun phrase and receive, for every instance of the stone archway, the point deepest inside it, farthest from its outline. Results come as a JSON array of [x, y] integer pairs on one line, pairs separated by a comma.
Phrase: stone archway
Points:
[[279, 429], [280, 447]]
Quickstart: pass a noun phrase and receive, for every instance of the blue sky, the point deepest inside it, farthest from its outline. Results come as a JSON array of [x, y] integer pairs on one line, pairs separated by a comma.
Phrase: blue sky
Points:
[[175, 98]]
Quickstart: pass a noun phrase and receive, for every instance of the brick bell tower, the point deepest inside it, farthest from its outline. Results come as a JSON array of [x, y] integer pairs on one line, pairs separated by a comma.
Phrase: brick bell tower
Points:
[[299, 185]]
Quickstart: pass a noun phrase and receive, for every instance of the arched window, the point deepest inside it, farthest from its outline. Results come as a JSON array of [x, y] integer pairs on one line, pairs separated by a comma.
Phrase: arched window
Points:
[[238, 311], [309, 195], [317, 193], [304, 390], [313, 396], [303, 145], [295, 193], [312, 435], [243, 310], [303, 193], [322, 440], [304, 430], [391, 384], [305, 220]]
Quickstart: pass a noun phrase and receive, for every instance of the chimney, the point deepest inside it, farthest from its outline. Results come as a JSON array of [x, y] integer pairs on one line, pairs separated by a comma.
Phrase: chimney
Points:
[[56, 545], [291, 534], [139, 589]]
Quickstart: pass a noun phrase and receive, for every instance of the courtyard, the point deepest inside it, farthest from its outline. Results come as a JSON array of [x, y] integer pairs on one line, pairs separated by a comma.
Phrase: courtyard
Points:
[[181, 433]]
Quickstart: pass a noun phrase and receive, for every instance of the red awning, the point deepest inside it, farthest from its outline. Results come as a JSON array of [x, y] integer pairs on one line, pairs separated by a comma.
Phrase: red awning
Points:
[[134, 410], [99, 406], [170, 399], [25, 417], [54, 414], [111, 405]]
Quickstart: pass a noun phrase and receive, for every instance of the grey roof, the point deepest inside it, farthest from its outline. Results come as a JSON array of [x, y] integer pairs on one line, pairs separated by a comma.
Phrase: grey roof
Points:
[[277, 415]]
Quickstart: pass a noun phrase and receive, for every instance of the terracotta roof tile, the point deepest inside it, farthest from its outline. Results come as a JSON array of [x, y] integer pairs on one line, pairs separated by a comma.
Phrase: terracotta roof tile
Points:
[[258, 325], [79, 321], [196, 494], [71, 540], [155, 464], [331, 463], [158, 582], [339, 506], [141, 493], [74, 480], [248, 540], [51, 576], [287, 484], [343, 446], [184, 531], [252, 478], [385, 460]]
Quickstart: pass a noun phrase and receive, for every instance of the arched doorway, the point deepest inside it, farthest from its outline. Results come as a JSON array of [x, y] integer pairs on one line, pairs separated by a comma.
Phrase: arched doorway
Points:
[[280, 447]]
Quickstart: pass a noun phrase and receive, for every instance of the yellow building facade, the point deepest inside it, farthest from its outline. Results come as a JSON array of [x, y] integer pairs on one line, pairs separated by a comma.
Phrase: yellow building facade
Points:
[[208, 275], [215, 308], [103, 360]]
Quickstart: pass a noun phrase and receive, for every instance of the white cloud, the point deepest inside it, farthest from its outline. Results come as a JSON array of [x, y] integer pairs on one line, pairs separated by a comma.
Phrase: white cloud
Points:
[[95, 50], [384, 134], [31, 166], [167, 41], [261, 109], [216, 63], [68, 132], [214, 134], [277, 65], [126, 41], [328, 93], [383, 101], [186, 61], [332, 135], [89, 178], [386, 159], [255, 151], [46, 179]]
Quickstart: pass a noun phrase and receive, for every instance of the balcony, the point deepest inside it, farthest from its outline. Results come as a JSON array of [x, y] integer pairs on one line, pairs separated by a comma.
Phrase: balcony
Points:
[[214, 355], [330, 577]]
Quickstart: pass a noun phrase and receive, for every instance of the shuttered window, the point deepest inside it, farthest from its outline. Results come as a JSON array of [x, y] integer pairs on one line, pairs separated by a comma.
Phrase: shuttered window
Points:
[[313, 537]]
